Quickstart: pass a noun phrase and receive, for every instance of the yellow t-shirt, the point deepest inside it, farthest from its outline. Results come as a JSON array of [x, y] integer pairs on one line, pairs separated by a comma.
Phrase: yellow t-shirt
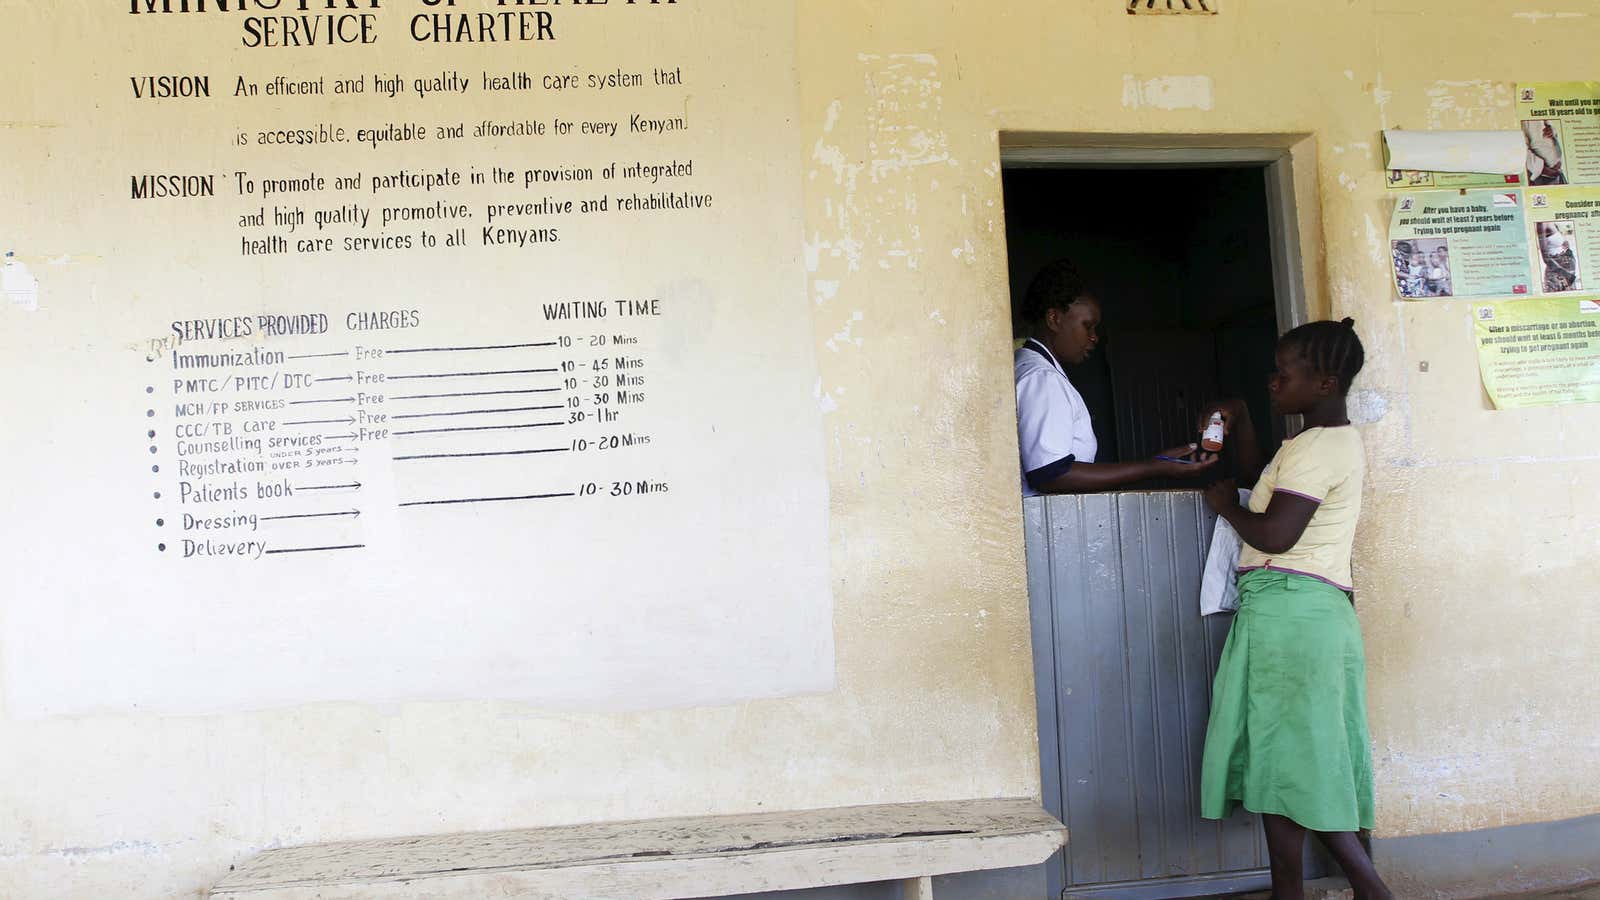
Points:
[[1326, 465]]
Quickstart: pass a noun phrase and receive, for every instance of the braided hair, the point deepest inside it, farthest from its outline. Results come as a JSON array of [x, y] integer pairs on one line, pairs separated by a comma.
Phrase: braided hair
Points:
[[1330, 348], [1057, 286]]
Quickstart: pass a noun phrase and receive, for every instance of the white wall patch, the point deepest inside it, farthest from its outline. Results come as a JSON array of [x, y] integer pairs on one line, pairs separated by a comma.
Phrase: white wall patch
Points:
[[1167, 92]]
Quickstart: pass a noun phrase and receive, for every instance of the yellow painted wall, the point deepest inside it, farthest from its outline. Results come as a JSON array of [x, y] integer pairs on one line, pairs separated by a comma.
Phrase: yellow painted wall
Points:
[[1475, 563], [1478, 606]]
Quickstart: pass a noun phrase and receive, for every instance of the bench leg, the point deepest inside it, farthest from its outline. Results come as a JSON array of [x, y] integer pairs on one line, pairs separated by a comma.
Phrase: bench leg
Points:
[[917, 888]]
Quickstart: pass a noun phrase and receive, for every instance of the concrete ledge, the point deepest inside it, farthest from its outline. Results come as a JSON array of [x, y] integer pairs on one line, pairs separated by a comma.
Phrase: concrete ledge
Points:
[[1508, 860]]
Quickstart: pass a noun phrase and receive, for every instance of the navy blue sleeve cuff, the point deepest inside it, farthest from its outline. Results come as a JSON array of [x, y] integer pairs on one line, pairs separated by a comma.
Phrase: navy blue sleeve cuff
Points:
[[1043, 475]]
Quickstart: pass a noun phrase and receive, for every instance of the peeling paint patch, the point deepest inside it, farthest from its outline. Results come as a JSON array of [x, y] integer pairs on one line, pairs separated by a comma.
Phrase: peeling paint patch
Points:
[[1535, 17], [823, 291], [825, 401], [907, 89], [883, 188], [1377, 244], [1368, 406], [1468, 104], [845, 336], [21, 289], [144, 848], [833, 116], [1380, 98], [1167, 92]]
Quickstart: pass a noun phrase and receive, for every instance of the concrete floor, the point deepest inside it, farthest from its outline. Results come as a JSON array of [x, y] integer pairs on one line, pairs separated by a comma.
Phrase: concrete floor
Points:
[[1586, 892], [1339, 889]]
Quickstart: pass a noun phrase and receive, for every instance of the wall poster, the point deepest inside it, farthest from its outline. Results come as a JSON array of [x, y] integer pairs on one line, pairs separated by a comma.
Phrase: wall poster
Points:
[[1459, 244], [1414, 180], [392, 350], [1564, 228], [1540, 352], [1560, 124]]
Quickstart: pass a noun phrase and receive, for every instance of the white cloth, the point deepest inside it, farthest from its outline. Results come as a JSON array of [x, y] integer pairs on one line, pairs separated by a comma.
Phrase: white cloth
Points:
[[1053, 426], [1219, 587]]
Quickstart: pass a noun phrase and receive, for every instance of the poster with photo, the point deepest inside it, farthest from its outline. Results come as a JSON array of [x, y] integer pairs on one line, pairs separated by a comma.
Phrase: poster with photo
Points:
[[1422, 268], [1564, 229], [1558, 257], [1459, 244], [1560, 122]]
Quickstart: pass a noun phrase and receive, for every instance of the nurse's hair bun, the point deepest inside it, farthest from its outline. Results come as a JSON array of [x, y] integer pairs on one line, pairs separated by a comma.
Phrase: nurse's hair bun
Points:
[[1056, 286], [1348, 323]]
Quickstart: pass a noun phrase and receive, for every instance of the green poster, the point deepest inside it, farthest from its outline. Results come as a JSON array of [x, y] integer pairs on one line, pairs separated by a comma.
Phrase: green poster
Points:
[[1560, 123], [1541, 352], [1564, 228], [1459, 244], [1412, 180]]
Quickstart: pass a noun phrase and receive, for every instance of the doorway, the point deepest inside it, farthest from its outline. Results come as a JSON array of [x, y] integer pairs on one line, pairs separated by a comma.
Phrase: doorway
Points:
[[1194, 256]]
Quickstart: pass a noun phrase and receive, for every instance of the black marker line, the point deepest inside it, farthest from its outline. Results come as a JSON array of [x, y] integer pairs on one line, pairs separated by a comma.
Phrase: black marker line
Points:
[[486, 500], [348, 420], [319, 355], [482, 428], [340, 437], [476, 374], [477, 412], [469, 349], [343, 378], [353, 512], [477, 455], [477, 394], [318, 549], [304, 402], [332, 487]]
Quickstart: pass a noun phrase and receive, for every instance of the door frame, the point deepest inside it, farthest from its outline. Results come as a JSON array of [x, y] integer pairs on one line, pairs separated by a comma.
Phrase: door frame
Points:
[[1293, 217], [1291, 188]]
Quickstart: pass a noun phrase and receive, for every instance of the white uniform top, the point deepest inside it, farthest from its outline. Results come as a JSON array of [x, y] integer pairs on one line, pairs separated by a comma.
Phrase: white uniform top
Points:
[[1053, 427]]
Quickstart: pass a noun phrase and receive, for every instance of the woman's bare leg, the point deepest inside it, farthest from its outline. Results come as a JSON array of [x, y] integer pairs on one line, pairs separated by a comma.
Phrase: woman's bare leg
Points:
[[1357, 865], [1286, 842]]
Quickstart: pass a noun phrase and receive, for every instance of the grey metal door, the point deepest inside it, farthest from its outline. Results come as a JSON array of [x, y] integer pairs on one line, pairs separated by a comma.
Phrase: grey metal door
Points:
[[1123, 662]]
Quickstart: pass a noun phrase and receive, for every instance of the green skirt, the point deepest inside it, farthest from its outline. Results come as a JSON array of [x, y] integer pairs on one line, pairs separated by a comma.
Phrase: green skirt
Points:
[[1288, 728]]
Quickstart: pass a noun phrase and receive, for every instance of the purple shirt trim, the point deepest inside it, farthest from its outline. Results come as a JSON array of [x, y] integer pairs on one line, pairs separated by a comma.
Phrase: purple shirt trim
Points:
[[1300, 495], [1269, 567]]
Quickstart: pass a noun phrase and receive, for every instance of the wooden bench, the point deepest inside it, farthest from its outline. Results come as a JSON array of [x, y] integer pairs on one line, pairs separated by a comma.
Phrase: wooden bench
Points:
[[662, 859]]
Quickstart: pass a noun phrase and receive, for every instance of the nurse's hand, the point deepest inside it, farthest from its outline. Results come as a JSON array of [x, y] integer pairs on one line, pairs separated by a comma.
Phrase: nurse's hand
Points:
[[1183, 462]]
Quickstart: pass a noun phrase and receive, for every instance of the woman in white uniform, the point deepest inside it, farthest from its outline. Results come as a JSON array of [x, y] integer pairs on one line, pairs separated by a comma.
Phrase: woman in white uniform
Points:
[[1053, 428]]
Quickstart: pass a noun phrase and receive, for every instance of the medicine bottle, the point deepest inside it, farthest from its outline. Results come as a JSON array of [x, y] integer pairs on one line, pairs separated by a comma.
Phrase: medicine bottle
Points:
[[1211, 440]]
